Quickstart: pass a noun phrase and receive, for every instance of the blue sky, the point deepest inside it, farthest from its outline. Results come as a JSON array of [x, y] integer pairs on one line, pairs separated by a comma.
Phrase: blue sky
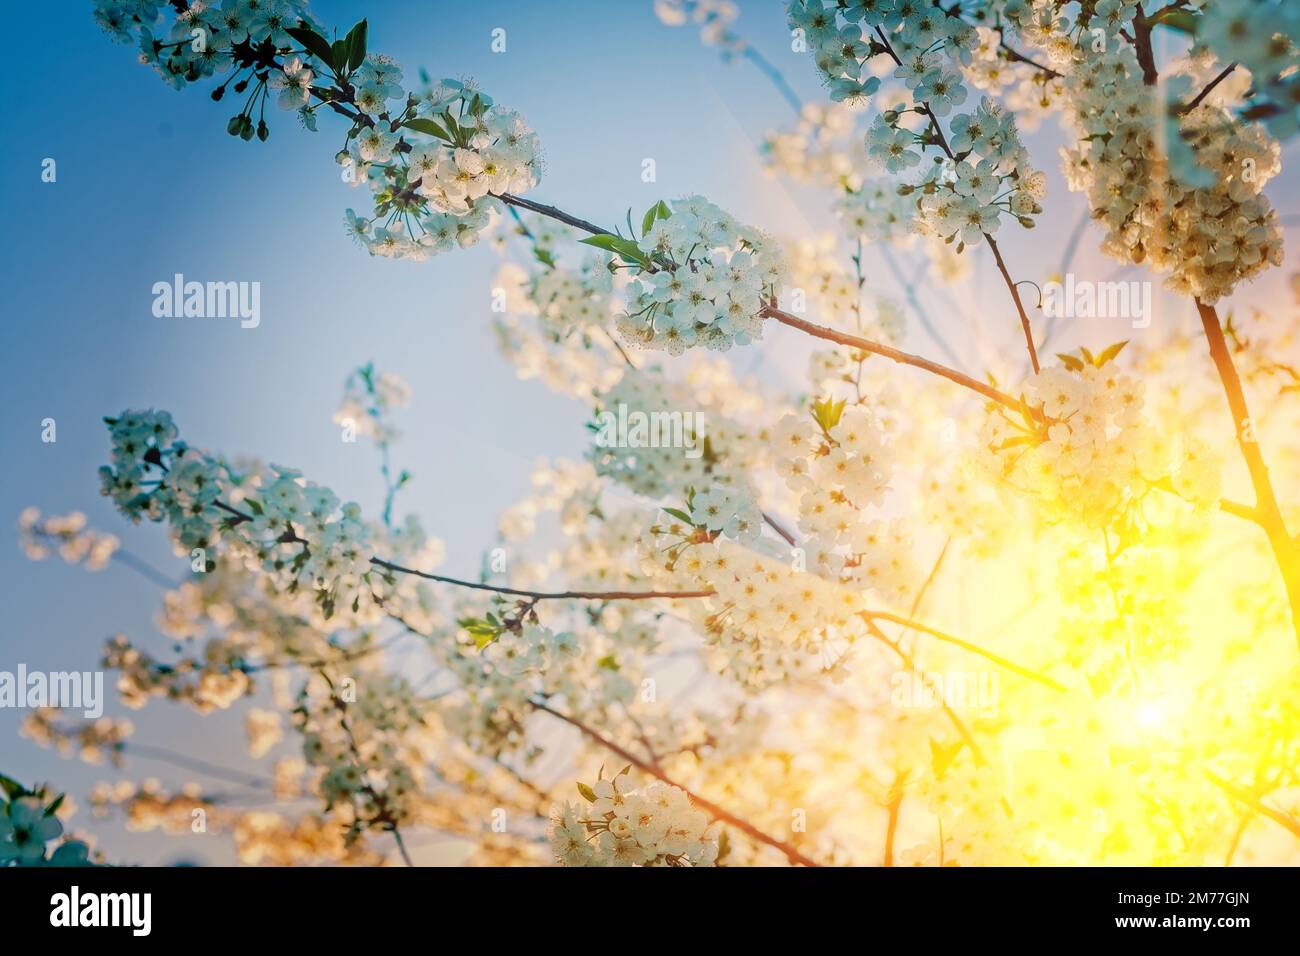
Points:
[[149, 184]]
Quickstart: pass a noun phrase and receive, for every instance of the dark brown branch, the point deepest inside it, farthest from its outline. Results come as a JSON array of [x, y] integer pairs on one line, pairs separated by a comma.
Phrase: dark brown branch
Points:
[[708, 806], [1267, 513], [557, 214], [775, 526], [541, 595], [1016, 56], [1209, 88], [1015, 297], [895, 355]]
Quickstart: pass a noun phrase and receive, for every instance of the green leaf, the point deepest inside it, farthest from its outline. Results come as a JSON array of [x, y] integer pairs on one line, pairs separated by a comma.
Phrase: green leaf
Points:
[[648, 219], [356, 42], [12, 788], [1070, 361], [1110, 352], [626, 249], [826, 413], [313, 42], [587, 793], [422, 125], [1088, 355], [452, 127], [942, 755], [1184, 21], [679, 515], [608, 662], [53, 808], [339, 52]]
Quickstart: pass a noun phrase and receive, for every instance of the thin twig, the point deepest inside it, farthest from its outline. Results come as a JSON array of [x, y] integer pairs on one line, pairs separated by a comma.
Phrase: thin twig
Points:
[[896, 355], [1209, 87], [542, 595], [719, 813], [1252, 801]]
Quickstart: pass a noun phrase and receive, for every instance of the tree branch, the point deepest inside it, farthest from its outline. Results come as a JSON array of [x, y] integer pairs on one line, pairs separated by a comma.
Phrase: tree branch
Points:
[[896, 355], [542, 595], [717, 812], [1266, 511], [1209, 87]]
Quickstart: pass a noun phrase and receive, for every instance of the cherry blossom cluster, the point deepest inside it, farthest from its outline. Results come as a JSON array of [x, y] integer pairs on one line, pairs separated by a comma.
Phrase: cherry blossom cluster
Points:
[[877, 212], [1091, 453], [677, 459], [769, 621], [369, 397], [90, 740], [436, 168], [580, 298], [839, 462], [295, 531], [703, 279], [370, 738], [1183, 196], [622, 826], [267, 838], [147, 806], [434, 158], [819, 148], [713, 17], [983, 172], [67, 535], [988, 176], [1264, 37], [214, 680]]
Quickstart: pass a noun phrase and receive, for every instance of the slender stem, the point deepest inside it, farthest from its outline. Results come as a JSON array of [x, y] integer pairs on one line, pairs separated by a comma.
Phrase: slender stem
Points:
[[150, 752], [896, 355], [401, 846], [1015, 56], [1209, 87], [775, 526], [144, 569], [1267, 513], [717, 812], [1252, 801], [552, 212], [776, 76], [910, 663], [964, 645], [542, 595], [891, 827], [1015, 297]]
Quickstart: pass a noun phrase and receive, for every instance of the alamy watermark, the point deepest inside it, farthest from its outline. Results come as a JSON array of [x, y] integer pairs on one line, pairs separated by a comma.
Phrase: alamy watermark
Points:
[[634, 428], [1084, 299], [130, 910], [958, 690], [208, 300], [33, 689]]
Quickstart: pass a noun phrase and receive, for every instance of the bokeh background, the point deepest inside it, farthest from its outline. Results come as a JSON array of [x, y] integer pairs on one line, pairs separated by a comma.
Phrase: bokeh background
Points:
[[149, 184]]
